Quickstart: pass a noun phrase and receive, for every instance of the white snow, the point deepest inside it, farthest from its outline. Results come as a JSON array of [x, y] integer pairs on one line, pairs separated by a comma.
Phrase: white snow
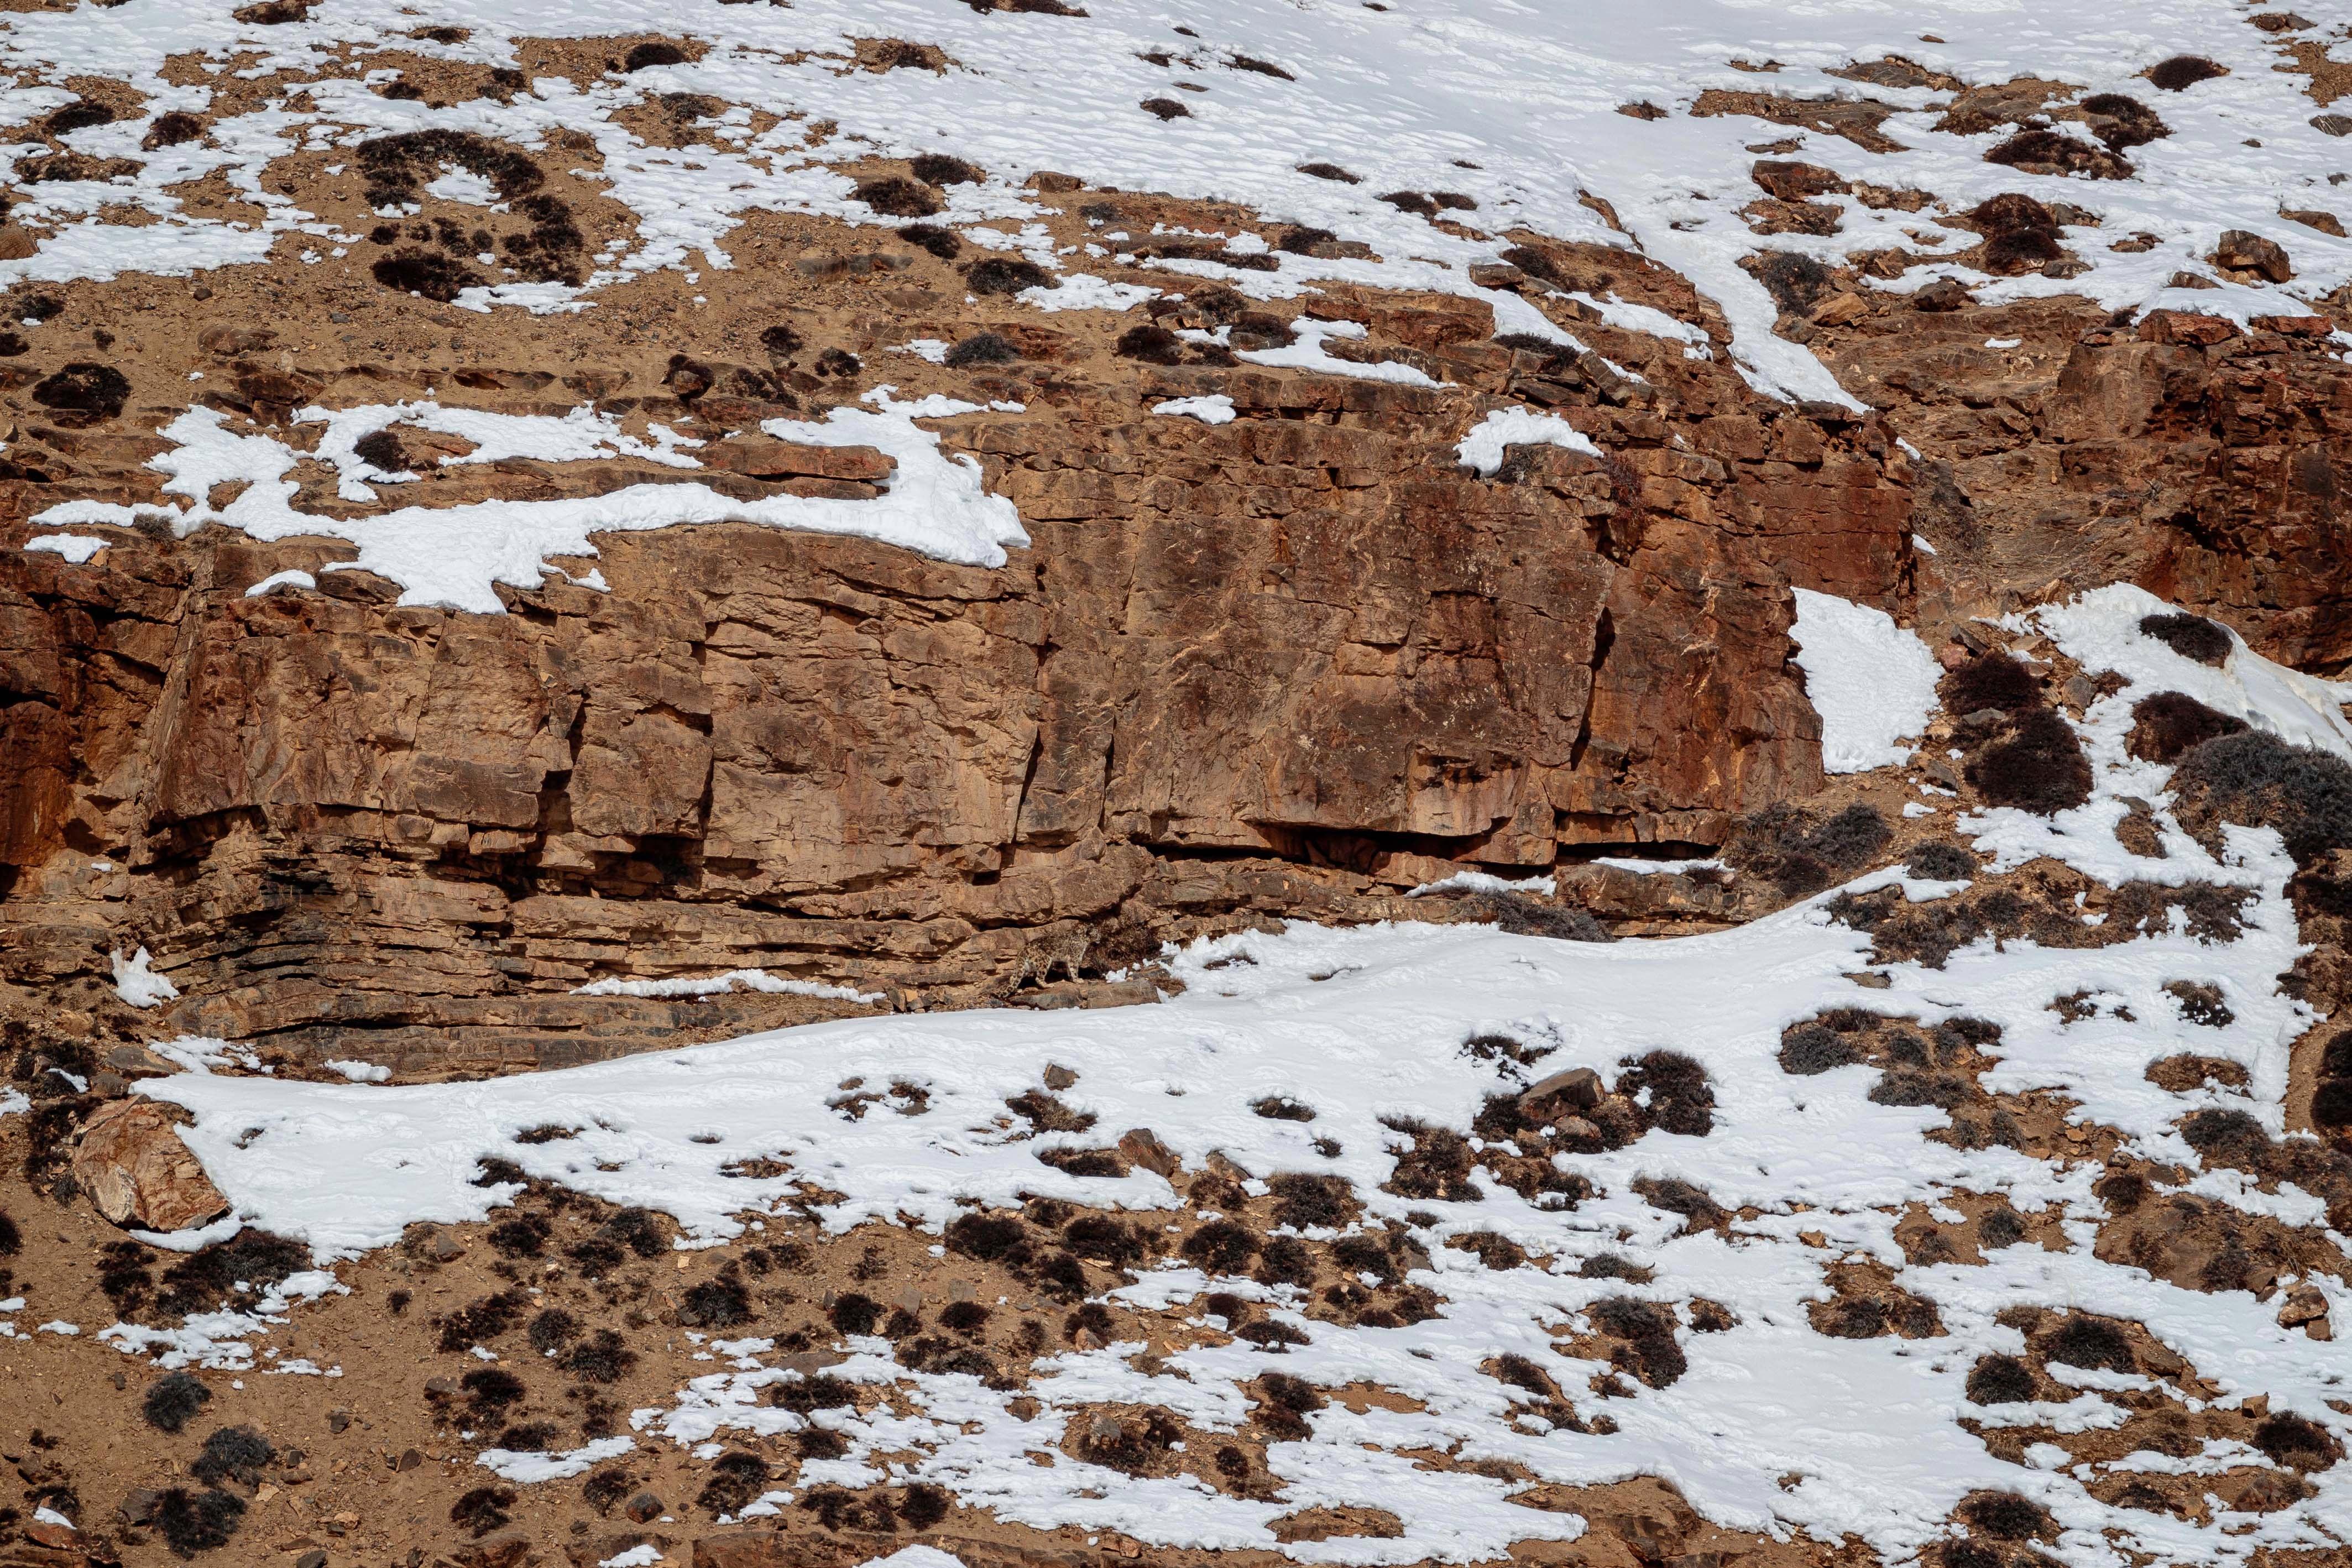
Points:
[[1369, 1023], [1660, 868], [292, 577], [457, 555], [1484, 882], [1482, 448], [1307, 352], [528, 1470], [1873, 682], [75, 547], [138, 985], [643, 1555], [360, 1072], [1216, 408], [720, 985]]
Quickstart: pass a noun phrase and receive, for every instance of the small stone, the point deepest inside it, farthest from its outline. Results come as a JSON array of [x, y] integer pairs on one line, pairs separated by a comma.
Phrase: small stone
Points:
[[1141, 1146], [445, 1247], [311, 1559], [1059, 1076], [1943, 294], [1577, 1087], [338, 1419], [643, 1508], [1840, 309], [139, 1506], [2303, 1304]]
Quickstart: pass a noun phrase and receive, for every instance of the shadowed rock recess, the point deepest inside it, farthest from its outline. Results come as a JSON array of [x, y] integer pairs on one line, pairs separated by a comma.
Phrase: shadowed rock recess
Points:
[[1665, 715]]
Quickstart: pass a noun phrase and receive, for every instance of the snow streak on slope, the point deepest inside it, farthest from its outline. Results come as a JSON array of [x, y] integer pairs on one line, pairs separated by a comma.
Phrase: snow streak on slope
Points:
[[457, 555], [1510, 105], [1775, 1425]]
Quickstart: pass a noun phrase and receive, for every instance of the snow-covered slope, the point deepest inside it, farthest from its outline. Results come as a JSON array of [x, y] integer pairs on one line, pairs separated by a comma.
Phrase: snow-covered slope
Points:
[[1514, 106], [1799, 1175]]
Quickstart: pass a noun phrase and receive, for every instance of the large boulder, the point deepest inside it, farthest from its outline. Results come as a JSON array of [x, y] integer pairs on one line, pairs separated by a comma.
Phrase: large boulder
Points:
[[137, 1172]]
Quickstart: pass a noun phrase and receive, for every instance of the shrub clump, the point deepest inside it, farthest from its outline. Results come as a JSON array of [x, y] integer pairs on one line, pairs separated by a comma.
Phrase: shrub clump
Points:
[[2191, 637], [2001, 1380], [2171, 722], [2296, 1442], [1992, 680], [237, 1452], [428, 273], [943, 243], [1151, 343], [2183, 71], [173, 1399], [656, 52], [1941, 862], [1006, 275], [483, 1509], [84, 387], [2038, 767], [1649, 1351], [1808, 1050], [1799, 854], [895, 196], [2097, 1343], [2260, 781], [191, 1522], [938, 169], [981, 348]]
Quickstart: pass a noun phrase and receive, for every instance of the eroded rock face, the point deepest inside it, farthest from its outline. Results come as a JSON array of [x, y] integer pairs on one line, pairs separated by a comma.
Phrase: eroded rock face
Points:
[[1294, 663]]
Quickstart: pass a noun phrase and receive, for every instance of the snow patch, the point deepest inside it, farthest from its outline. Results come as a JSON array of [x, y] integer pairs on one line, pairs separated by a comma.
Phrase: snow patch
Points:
[[1873, 682], [1482, 450], [138, 985]]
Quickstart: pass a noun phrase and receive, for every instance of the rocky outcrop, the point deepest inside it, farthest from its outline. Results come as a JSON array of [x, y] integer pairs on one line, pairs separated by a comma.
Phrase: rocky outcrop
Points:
[[1293, 664]]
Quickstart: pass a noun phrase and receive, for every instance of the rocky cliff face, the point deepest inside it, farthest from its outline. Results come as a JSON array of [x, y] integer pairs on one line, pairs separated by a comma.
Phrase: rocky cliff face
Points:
[[528, 542], [1294, 663]]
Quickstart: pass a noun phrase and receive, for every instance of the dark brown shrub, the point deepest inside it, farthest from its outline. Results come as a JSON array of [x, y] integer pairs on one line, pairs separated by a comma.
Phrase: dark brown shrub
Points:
[[938, 169], [84, 387], [2171, 722], [2191, 637], [2183, 71], [2039, 766], [1151, 343], [895, 196], [1005, 275], [656, 52]]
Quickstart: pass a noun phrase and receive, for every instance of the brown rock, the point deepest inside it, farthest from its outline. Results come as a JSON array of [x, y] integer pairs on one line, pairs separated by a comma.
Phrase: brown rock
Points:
[[1793, 182], [2189, 331], [131, 1162], [2240, 251], [2307, 1307], [764, 458], [1141, 1146], [1575, 1088]]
